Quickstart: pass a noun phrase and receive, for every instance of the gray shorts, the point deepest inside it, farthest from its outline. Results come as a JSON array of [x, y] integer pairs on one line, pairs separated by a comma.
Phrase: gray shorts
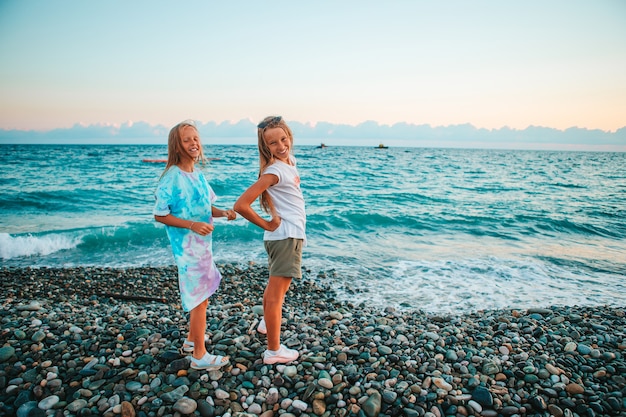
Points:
[[284, 257]]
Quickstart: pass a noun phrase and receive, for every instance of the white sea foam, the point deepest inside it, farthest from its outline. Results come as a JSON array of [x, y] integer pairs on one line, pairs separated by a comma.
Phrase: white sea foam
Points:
[[28, 245], [467, 285]]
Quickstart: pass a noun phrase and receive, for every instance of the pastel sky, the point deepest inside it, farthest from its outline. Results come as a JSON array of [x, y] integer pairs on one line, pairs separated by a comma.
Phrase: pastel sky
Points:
[[493, 63]]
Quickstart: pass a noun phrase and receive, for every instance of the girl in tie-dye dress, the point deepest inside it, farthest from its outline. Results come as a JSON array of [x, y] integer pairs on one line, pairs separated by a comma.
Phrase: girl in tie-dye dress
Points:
[[184, 204]]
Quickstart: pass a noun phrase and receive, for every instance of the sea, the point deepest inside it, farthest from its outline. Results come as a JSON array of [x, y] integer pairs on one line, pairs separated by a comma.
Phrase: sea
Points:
[[444, 231]]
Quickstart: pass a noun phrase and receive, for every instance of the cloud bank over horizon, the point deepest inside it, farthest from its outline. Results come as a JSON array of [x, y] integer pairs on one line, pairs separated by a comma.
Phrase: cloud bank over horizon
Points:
[[367, 133]]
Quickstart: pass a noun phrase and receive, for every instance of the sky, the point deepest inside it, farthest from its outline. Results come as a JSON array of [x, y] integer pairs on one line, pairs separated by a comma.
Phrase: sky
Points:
[[491, 64]]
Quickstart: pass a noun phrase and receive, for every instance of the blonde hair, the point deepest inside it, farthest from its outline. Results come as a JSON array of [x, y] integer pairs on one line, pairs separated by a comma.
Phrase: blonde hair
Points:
[[175, 148], [265, 156]]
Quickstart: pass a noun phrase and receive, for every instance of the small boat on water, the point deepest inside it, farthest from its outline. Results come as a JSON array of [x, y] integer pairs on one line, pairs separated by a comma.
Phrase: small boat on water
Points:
[[322, 145], [381, 146]]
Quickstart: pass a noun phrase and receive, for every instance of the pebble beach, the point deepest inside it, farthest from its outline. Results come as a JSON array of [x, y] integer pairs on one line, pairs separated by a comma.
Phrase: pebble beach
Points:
[[100, 341]]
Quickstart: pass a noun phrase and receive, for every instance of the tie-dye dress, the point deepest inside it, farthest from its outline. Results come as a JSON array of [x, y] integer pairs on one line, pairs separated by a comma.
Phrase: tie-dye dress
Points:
[[188, 195]]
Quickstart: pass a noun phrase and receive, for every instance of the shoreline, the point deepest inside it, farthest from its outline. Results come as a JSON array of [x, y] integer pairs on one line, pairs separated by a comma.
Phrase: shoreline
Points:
[[103, 341]]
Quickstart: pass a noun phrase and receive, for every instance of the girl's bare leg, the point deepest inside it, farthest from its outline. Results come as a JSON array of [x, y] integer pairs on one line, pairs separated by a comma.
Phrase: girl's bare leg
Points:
[[197, 329], [273, 299]]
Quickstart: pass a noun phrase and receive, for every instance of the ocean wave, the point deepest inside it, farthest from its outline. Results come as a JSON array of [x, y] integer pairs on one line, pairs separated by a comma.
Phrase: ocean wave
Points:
[[133, 243], [36, 245]]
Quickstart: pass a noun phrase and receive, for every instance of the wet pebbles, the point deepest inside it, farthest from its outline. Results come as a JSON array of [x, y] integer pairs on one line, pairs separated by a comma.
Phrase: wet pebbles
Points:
[[97, 341]]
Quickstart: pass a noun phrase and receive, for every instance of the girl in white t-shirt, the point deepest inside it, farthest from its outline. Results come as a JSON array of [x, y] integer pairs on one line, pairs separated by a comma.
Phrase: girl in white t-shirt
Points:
[[278, 187]]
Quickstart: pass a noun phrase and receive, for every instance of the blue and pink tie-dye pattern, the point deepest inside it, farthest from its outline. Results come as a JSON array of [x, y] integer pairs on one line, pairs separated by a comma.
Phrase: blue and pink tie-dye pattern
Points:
[[188, 195]]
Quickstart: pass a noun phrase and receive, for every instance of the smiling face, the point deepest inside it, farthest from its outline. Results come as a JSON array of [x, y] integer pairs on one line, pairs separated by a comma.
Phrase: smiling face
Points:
[[278, 143], [190, 142]]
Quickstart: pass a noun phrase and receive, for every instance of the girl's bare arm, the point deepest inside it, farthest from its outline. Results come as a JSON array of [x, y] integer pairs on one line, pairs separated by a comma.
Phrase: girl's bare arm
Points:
[[200, 228], [243, 205], [229, 214]]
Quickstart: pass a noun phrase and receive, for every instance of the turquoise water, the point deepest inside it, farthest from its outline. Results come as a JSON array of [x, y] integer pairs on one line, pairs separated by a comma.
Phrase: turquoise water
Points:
[[442, 230]]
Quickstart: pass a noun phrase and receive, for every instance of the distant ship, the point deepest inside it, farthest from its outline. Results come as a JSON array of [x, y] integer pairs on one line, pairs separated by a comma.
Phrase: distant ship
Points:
[[322, 145], [381, 146]]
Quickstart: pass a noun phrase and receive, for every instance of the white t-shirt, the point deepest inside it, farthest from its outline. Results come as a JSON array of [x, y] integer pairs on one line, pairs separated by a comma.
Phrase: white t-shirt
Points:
[[288, 202]]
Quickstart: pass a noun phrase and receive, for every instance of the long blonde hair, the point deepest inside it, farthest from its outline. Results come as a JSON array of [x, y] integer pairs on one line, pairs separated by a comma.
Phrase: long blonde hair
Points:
[[175, 148], [265, 156]]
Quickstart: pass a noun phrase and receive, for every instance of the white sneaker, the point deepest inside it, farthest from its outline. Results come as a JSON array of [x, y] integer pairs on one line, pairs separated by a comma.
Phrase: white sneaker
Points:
[[262, 328], [282, 355]]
